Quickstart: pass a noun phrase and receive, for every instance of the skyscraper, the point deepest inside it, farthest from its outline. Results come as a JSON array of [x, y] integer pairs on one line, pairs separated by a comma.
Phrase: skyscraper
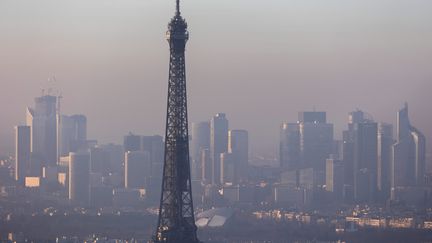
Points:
[[408, 162], [365, 161], [72, 133], [22, 152], [79, 178], [176, 221], [238, 147], [137, 168], [385, 142], [200, 141], [132, 142], [316, 139], [218, 143], [43, 122], [289, 149], [334, 177]]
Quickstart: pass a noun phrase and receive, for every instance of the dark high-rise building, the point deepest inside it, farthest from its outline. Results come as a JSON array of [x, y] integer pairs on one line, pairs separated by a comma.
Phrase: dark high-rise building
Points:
[[409, 153], [79, 178], [316, 139], [385, 142], [137, 169], [365, 161], [218, 143], [200, 140], [22, 152], [176, 221], [334, 177], [43, 122], [72, 134], [154, 145], [354, 117], [238, 147], [289, 149], [132, 142]]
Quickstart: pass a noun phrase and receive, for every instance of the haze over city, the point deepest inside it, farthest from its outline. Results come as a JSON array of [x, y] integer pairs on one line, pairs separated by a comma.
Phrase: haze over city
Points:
[[260, 62]]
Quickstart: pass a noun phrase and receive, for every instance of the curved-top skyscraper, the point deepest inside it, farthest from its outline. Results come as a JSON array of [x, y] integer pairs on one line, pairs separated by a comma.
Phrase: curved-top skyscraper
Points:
[[176, 222]]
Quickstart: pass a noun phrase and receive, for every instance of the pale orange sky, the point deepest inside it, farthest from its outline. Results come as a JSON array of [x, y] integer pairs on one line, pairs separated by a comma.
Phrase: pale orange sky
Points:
[[258, 61]]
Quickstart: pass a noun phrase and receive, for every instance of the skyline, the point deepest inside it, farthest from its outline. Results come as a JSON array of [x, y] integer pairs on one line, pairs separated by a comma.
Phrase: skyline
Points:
[[112, 37]]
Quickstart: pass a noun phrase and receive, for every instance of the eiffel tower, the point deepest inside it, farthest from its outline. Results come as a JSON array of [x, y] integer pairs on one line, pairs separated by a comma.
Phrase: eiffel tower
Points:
[[176, 222]]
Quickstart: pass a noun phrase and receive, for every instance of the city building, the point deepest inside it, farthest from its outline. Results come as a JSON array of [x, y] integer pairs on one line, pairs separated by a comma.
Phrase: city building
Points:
[[79, 178], [238, 147], [218, 143], [365, 161], [200, 141], [132, 142], [334, 177], [137, 168], [409, 154], [289, 149], [385, 143], [22, 153], [72, 134], [43, 122]]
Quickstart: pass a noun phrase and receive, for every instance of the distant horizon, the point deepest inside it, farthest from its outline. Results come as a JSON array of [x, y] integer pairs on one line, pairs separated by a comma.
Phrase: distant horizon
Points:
[[258, 62]]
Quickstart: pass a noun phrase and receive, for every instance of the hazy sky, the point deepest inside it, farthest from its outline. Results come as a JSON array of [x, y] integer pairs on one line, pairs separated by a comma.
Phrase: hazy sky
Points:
[[259, 61]]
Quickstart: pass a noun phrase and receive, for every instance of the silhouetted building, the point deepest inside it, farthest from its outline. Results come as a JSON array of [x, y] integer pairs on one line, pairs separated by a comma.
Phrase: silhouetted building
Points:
[[289, 149], [316, 140], [43, 122], [218, 143], [132, 142], [228, 171], [79, 178], [334, 177], [238, 147], [365, 161], [200, 140], [22, 152], [154, 145], [72, 134], [206, 166], [137, 168], [100, 161], [409, 154], [385, 142]]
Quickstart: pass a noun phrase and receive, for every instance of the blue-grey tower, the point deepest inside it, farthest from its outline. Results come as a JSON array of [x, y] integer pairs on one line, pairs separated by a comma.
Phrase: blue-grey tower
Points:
[[176, 222]]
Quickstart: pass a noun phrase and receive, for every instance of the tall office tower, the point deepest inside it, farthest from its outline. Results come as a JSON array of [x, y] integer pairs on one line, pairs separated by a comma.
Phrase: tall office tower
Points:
[[354, 117], [22, 152], [409, 153], [218, 143], [206, 166], [79, 178], [132, 142], [228, 168], [71, 134], [137, 168], [334, 177], [116, 157], [238, 146], [43, 122], [99, 161], [154, 145], [385, 142], [316, 140], [176, 215], [200, 140], [365, 161], [289, 149]]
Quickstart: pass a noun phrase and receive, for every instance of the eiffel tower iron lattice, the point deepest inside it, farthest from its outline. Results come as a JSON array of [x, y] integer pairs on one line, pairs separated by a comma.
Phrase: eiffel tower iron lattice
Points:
[[176, 223]]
